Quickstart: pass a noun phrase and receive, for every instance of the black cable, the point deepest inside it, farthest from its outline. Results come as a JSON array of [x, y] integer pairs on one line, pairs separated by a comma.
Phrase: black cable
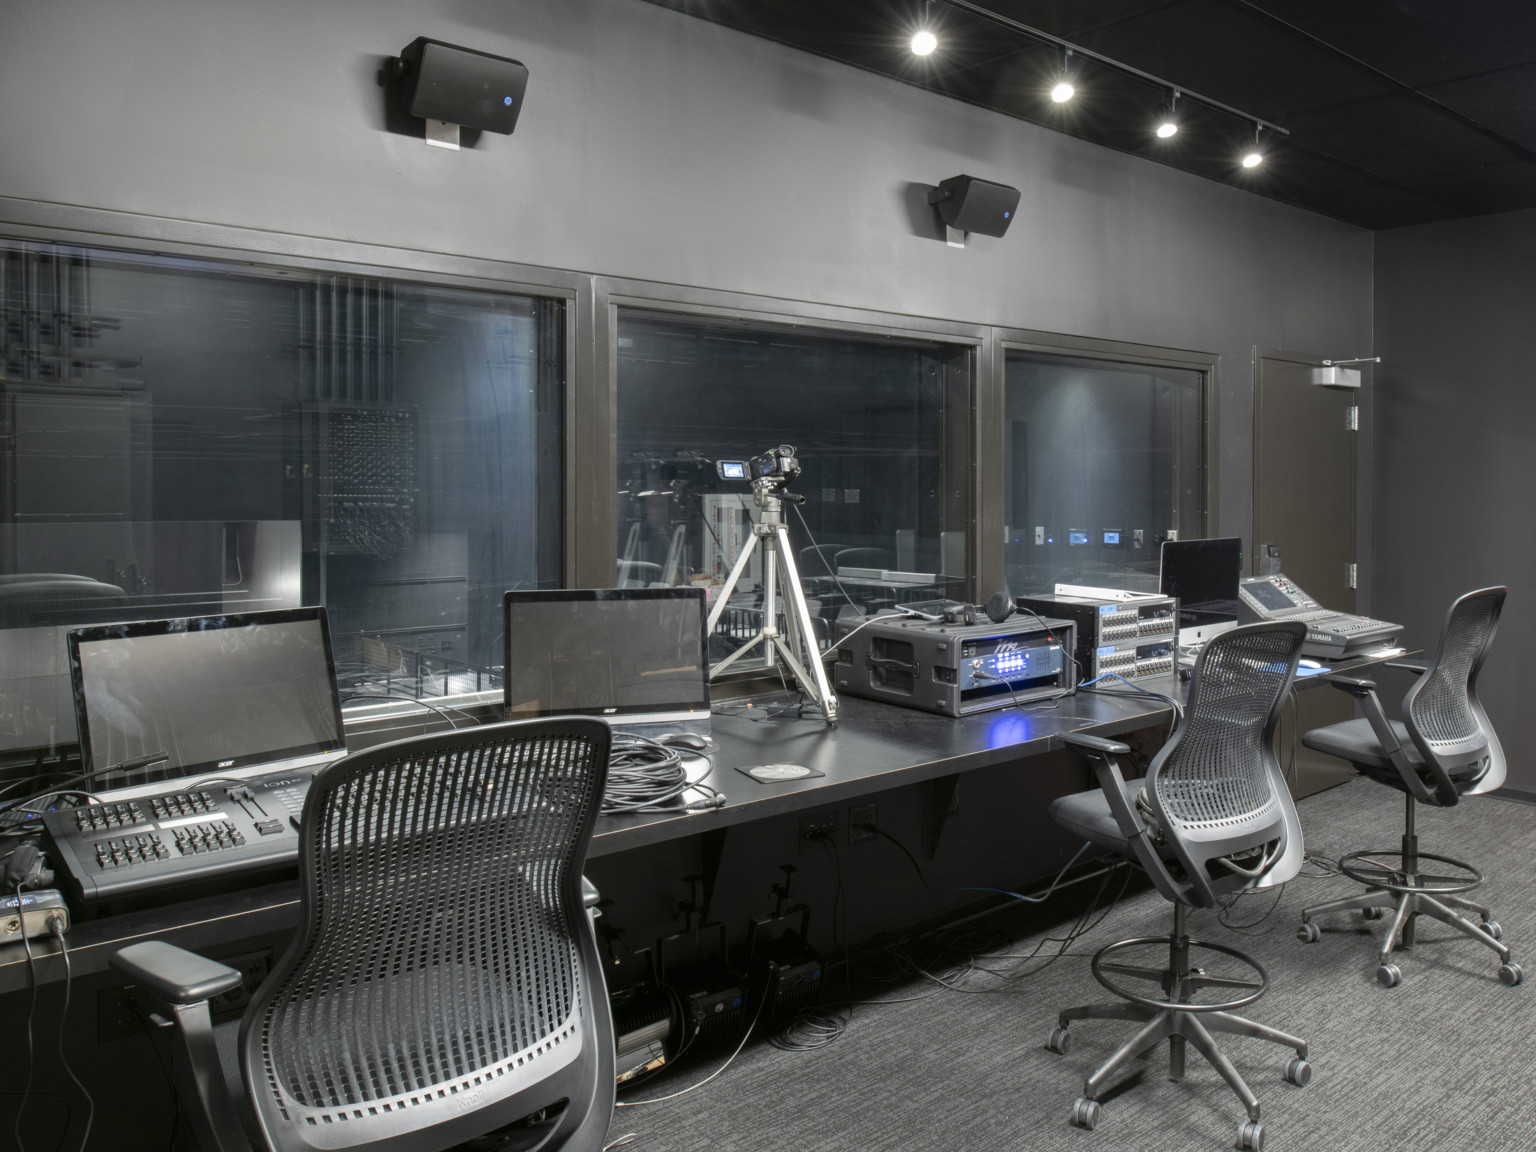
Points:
[[80, 778], [728, 1061], [31, 1011], [645, 775], [816, 1027], [56, 929], [831, 569]]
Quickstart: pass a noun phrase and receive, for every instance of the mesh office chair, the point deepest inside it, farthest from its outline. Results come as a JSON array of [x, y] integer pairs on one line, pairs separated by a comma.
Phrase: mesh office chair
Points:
[[1213, 817], [1441, 750], [444, 982]]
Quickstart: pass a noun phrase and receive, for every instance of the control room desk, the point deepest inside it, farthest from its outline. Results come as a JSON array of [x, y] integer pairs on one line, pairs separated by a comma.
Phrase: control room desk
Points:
[[875, 747]]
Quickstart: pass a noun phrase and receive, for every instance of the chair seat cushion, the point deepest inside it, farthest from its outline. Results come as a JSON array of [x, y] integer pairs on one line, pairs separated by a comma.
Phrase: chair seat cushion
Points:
[[1355, 741], [1088, 815]]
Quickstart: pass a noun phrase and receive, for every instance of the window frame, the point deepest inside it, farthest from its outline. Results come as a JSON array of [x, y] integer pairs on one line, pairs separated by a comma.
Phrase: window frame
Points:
[[962, 388], [992, 512]]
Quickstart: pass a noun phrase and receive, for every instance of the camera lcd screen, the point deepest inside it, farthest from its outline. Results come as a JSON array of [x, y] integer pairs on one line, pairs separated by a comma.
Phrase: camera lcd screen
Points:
[[617, 652], [733, 470]]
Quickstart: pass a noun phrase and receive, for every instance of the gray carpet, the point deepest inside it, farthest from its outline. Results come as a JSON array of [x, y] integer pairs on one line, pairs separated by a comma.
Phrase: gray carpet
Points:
[[1444, 1062]]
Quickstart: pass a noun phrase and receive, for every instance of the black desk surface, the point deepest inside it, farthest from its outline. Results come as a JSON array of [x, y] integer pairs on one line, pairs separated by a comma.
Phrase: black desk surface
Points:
[[873, 748]]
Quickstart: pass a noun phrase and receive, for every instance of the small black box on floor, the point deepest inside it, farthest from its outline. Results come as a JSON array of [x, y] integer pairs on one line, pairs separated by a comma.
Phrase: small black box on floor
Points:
[[956, 669], [786, 972], [713, 995]]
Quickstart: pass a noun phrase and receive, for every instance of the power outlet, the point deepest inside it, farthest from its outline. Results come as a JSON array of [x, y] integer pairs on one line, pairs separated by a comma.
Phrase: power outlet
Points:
[[857, 818], [253, 967], [1039, 535], [815, 829]]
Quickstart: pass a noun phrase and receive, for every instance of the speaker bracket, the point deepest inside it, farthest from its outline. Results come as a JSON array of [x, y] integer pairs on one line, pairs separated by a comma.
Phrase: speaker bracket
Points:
[[441, 134], [954, 237]]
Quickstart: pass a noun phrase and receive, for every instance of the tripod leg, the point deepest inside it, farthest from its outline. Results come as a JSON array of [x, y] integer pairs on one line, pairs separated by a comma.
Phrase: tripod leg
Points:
[[730, 583], [795, 596]]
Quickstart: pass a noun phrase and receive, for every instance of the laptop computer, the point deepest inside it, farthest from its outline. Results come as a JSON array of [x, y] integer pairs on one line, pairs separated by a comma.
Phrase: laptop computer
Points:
[[635, 657], [220, 697]]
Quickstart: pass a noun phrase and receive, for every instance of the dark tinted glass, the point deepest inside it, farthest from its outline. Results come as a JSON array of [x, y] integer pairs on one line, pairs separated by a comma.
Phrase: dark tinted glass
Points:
[[867, 417], [185, 438], [1103, 461]]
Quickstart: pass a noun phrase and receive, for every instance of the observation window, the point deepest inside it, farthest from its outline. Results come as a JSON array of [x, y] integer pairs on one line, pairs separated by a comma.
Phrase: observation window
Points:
[[884, 513], [1102, 461], [186, 437]]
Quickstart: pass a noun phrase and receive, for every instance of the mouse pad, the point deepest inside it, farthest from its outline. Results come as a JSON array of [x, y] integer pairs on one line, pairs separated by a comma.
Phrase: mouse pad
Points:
[[779, 773]]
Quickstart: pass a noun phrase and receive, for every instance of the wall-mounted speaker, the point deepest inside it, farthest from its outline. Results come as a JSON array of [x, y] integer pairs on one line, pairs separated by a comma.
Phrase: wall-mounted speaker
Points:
[[970, 204], [461, 86]]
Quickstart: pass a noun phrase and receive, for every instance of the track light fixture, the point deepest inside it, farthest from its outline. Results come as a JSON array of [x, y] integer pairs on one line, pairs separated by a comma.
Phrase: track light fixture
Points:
[[1064, 91], [923, 40], [1166, 124], [1253, 157], [1167, 117]]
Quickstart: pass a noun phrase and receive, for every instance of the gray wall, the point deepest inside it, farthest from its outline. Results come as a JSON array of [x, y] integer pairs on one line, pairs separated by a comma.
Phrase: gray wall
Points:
[[657, 146], [1456, 445]]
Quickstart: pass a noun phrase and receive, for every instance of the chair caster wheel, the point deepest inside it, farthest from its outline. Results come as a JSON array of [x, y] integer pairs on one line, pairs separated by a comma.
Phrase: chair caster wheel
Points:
[[1059, 1041], [1309, 933], [1493, 928], [1390, 975], [1298, 1072], [1510, 974], [1085, 1113], [1371, 913], [1250, 1136]]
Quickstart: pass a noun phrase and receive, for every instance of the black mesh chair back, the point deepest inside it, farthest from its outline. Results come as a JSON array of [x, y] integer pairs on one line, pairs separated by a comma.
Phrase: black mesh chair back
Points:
[[443, 982], [1441, 710], [1216, 788]]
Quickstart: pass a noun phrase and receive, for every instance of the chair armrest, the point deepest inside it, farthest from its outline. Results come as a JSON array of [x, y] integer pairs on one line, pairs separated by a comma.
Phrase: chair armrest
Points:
[[173, 974], [1417, 667], [1354, 685], [1096, 744], [589, 894]]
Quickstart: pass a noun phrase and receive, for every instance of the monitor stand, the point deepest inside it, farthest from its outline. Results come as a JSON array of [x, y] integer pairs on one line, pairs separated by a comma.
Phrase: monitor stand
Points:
[[1191, 640]]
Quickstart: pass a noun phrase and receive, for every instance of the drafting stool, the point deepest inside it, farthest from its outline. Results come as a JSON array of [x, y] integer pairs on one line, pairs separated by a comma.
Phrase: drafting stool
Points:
[[1441, 750], [1213, 817]]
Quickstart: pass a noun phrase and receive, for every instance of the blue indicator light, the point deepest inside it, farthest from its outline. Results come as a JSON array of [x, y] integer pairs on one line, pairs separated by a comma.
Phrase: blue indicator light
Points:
[[1006, 215], [506, 100]]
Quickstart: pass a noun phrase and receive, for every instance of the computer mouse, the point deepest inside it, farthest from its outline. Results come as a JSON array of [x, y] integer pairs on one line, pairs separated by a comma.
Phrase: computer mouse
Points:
[[689, 740]]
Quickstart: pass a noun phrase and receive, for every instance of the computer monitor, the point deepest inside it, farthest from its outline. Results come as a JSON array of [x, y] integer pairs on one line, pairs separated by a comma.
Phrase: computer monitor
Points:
[[227, 696], [635, 657], [1203, 574]]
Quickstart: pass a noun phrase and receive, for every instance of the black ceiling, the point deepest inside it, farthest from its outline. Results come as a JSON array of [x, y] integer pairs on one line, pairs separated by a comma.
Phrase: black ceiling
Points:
[[1399, 111]]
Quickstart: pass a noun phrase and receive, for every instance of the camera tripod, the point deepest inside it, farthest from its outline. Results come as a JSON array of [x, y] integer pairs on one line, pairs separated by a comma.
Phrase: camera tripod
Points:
[[797, 645]]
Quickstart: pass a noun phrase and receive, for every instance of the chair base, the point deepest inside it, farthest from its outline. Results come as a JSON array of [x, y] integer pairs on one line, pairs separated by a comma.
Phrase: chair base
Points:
[[1406, 907], [1410, 893], [1181, 1022]]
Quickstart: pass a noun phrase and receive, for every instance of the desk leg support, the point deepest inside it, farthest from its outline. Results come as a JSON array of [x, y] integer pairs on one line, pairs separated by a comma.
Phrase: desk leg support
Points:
[[939, 807], [711, 852]]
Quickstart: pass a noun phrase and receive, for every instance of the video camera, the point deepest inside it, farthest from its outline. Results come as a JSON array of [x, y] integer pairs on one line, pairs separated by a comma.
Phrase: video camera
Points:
[[775, 468]]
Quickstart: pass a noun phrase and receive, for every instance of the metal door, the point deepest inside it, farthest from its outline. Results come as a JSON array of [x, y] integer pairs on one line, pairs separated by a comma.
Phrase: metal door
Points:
[[1304, 503]]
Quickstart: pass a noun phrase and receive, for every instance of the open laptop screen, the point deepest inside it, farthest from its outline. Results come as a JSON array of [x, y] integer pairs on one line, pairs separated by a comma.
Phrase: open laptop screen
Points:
[[213, 693], [635, 654]]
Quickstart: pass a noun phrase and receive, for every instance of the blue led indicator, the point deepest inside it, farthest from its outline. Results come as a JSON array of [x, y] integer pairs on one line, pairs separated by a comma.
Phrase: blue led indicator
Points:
[[1006, 215], [506, 100]]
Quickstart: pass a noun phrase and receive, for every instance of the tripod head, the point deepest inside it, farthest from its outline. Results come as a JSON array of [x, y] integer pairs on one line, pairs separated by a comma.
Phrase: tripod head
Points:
[[771, 475]]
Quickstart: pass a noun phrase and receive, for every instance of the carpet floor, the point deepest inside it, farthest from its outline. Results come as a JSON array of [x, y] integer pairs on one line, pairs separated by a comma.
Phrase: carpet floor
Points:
[[1446, 1062]]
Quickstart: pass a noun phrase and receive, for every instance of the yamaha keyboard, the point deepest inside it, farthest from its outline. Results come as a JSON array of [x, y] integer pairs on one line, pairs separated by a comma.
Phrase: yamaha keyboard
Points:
[[168, 840]]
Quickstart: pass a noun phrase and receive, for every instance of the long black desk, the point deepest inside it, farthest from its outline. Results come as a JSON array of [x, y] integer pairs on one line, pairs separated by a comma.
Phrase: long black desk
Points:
[[873, 748]]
